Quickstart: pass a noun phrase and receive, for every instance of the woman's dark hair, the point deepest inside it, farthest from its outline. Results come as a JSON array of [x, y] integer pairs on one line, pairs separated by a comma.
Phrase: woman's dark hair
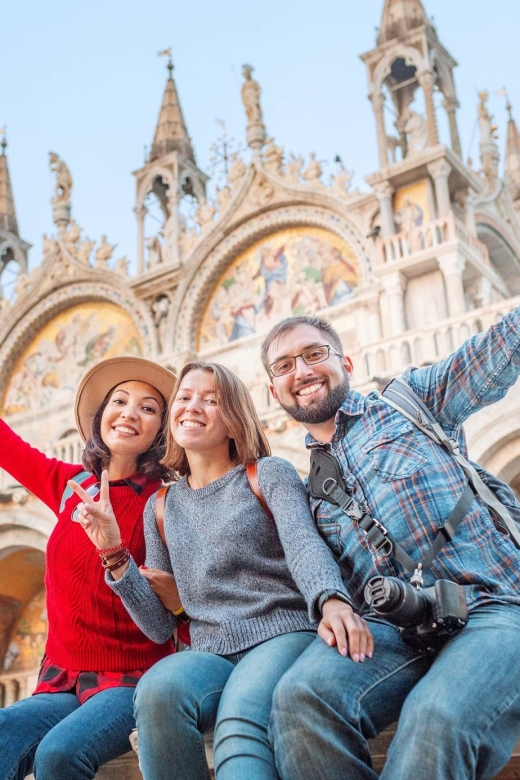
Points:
[[96, 455]]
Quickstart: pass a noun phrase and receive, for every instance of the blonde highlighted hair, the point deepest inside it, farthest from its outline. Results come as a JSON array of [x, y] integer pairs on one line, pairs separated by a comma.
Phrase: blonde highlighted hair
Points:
[[248, 441]]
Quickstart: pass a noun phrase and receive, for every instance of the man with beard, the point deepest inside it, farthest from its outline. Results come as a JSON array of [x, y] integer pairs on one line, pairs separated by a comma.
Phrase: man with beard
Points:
[[458, 701]]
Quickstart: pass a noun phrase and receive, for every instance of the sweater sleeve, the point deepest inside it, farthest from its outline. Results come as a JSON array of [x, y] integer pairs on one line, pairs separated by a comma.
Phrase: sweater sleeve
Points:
[[44, 477], [143, 606], [309, 560]]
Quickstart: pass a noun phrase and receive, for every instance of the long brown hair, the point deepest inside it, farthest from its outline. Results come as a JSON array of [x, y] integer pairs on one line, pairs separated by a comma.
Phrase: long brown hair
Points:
[[248, 441], [96, 455]]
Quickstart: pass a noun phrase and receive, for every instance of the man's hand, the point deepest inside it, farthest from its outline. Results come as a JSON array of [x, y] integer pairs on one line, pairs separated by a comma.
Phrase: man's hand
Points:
[[164, 586], [341, 626]]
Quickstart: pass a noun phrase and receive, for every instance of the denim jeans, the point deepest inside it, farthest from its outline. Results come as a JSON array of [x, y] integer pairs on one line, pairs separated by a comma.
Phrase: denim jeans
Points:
[[188, 694], [54, 736], [459, 710]]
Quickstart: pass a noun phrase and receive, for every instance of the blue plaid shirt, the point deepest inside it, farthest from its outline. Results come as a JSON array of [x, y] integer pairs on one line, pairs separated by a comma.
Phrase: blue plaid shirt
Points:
[[410, 484]]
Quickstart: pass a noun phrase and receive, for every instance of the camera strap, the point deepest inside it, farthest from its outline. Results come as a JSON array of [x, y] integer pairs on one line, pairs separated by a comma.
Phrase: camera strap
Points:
[[399, 395], [326, 482]]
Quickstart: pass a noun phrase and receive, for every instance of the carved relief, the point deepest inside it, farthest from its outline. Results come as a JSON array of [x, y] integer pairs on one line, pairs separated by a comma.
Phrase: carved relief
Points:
[[261, 192]]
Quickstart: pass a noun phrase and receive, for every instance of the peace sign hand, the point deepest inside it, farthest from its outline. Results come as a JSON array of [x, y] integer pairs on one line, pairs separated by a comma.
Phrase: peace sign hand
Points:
[[97, 518]]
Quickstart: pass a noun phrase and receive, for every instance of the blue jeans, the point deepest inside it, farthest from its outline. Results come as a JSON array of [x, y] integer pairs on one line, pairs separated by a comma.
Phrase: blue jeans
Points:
[[54, 736], [459, 710], [188, 694]]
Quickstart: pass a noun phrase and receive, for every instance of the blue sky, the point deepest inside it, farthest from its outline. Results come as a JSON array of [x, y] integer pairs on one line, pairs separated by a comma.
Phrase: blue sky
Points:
[[83, 79]]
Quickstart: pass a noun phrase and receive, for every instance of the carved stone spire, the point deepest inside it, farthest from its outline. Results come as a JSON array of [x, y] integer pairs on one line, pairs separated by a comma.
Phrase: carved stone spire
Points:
[[8, 220], [400, 17], [512, 161], [171, 133]]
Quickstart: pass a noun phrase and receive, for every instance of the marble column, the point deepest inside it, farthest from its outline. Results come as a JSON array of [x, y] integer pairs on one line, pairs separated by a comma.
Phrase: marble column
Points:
[[141, 212], [394, 286], [439, 170], [451, 104], [426, 81], [452, 267], [378, 99], [384, 192]]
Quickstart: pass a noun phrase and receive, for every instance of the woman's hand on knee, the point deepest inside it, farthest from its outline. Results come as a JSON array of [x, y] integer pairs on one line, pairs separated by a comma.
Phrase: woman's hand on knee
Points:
[[342, 627]]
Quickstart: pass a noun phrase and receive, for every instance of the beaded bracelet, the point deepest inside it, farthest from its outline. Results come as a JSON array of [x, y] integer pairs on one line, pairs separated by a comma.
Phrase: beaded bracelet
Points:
[[117, 564], [178, 612], [111, 550]]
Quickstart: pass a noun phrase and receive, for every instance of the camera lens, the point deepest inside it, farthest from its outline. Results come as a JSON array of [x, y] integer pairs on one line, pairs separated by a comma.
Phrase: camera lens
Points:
[[398, 602]]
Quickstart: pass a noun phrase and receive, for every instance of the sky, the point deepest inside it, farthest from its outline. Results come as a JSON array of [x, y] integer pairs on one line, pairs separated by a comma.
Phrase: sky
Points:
[[84, 80]]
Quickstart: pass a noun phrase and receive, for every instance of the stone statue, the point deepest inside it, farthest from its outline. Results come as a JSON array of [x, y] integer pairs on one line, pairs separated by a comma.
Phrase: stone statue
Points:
[[488, 131], [416, 132], [205, 213], [312, 174], [293, 169], [154, 252], [84, 250], [71, 237], [160, 309], [251, 96], [63, 179], [237, 170], [50, 249], [22, 284], [187, 238], [222, 198], [341, 182], [103, 253], [121, 266], [273, 157]]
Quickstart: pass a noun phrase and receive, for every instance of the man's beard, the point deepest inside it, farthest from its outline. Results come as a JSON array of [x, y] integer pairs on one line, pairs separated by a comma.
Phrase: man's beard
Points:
[[321, 411]]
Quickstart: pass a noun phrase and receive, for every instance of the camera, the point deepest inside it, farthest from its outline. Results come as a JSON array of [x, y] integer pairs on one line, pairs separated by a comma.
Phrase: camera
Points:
[[426, 618]]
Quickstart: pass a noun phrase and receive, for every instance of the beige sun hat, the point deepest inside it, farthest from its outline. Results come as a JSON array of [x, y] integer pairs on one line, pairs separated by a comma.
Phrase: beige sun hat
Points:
[[111, 372]]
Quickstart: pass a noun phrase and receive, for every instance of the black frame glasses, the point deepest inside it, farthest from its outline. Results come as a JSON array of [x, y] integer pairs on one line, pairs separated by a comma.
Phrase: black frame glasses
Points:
[[306, 356]]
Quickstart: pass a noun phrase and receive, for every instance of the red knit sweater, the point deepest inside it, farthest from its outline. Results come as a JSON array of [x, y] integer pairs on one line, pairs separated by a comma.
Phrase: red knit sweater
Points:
[[89, 628]]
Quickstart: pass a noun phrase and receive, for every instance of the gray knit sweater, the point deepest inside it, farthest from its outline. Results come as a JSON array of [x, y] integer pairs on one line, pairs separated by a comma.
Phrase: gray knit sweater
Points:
[[240, 576]]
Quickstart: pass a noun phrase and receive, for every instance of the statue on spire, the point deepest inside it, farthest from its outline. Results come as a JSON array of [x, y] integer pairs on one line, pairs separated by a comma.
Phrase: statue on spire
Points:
[[251, 99], [61, 200]]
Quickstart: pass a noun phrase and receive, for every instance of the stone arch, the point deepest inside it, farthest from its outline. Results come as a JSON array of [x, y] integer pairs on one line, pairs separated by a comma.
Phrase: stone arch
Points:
[[194, 292], [502, 254], [410, 55], [37, 316]]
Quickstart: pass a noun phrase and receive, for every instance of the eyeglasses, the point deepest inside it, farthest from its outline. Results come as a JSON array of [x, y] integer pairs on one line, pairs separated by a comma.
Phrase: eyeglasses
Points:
[[287, 365], [93, 491]]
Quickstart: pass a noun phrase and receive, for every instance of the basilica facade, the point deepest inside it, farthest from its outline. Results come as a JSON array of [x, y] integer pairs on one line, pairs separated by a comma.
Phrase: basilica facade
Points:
[[426, 257]]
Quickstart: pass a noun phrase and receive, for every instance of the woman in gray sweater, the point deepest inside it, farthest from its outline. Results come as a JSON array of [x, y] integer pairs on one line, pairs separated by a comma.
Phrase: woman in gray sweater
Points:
[[254, 588]]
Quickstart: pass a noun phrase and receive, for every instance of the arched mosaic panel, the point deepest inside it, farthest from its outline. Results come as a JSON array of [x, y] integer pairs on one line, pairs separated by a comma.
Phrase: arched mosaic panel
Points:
[[290, 272], [49, 370]]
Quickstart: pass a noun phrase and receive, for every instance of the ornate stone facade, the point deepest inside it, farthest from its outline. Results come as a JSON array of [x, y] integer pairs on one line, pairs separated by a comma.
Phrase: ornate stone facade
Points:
[[406, 271]]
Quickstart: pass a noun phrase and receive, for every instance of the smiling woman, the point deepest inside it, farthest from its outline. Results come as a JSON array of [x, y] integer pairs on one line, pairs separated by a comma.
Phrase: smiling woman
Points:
[[82, 714], [253, 588]]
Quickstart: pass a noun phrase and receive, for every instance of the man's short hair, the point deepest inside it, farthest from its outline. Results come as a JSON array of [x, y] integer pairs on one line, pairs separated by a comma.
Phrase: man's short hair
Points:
[[292, 322]]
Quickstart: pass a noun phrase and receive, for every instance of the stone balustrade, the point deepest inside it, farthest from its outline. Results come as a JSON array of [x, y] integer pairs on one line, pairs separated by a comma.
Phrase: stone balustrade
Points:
[[69, 449], [425, 345], [428, 237]]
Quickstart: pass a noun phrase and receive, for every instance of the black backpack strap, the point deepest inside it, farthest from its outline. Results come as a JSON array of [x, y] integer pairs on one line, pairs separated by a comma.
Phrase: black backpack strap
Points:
[[399, 395], [326, 482]]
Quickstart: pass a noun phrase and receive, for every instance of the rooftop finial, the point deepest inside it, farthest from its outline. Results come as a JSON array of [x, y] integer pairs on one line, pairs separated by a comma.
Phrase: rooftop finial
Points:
[[167, 53], [3, 131]]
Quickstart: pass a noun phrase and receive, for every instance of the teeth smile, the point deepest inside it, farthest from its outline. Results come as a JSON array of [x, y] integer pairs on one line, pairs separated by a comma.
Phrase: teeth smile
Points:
[[191, 424], [310, 389], [123, 429]]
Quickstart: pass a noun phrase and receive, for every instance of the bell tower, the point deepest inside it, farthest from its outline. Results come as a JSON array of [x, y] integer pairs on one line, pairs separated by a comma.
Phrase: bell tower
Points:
[[406, 68], [13, 250], [169, 174]]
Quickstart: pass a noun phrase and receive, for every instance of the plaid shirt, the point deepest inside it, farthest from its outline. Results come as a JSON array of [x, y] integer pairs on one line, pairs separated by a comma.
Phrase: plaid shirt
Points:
[[410, 484]]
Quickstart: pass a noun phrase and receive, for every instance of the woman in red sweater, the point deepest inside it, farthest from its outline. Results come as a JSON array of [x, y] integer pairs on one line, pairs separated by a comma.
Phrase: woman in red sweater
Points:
[[82, 712]]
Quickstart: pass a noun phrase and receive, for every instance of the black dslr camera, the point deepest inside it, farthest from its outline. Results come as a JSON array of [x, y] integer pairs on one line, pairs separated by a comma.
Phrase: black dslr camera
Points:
[[427, 618]]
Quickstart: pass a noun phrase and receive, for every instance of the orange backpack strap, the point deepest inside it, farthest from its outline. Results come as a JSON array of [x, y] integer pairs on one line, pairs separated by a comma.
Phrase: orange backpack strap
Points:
[[252, 477], [160, 500]]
